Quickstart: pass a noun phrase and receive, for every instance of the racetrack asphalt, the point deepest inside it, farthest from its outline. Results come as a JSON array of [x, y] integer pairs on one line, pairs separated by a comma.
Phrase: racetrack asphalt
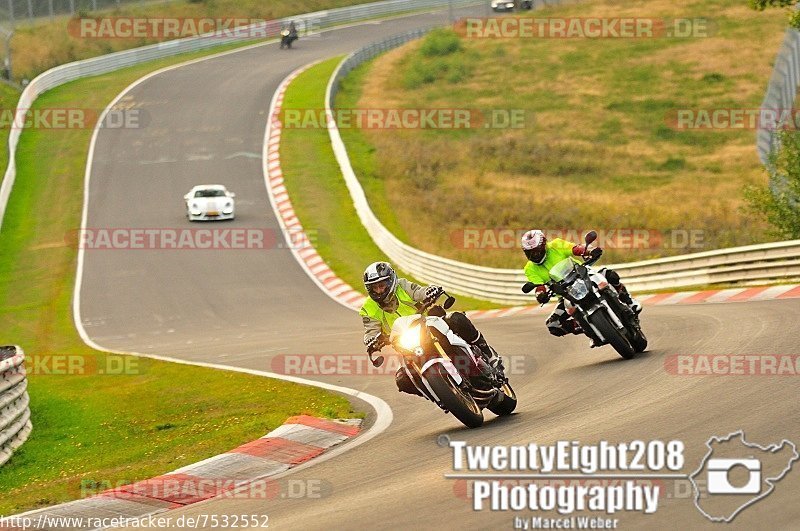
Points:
[[251, 308]]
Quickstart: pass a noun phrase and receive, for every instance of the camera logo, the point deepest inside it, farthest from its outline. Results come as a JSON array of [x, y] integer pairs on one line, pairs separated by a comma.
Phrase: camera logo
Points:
[[734, 474], [719, 482]]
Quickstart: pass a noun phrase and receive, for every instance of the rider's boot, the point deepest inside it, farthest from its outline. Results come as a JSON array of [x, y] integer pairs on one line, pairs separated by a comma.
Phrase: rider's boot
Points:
[[491, 354], [625, 297]]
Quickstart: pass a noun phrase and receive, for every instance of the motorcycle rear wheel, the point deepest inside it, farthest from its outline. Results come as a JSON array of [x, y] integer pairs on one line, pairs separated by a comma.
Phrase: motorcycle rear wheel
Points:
[[639, 342], [507, 404]]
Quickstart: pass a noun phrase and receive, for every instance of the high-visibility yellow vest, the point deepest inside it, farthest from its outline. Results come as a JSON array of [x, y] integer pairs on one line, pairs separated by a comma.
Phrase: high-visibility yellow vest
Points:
[[373, 310]]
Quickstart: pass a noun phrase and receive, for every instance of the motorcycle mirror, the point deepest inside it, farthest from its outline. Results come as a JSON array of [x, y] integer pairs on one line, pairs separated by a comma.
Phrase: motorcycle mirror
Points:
[[377, 362], [528, 287], [448, 303], [590, 237]]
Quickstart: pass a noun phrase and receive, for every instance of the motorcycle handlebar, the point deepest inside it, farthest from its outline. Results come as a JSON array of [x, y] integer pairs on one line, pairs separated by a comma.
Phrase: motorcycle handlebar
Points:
[[448, 303], [382, 342]]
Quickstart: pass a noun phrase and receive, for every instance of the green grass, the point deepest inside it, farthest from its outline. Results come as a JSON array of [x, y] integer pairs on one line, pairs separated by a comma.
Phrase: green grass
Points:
[[362, 153], [8, 102], [106, 428], [318, 192], [597, 150]]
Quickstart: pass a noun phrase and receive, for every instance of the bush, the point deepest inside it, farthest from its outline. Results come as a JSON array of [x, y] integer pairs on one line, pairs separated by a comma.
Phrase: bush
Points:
[[780, 205], [440, 42], [436, 59]]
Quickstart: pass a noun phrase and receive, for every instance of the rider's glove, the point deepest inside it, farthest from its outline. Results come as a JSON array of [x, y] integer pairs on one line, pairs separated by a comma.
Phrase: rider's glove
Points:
[[579, 250], [595, 253], [541, 294], [375, 343], [432, 293], [543, 297]]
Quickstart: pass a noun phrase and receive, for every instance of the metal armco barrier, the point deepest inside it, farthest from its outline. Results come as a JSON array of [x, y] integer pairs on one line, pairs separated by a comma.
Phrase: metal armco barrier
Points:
[[782, 88], [114, 61], [755, 263], [15, 415]]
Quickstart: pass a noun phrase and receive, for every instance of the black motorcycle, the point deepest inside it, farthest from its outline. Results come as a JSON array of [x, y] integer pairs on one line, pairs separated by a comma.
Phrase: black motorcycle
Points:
[[594, 304], [287, 38]]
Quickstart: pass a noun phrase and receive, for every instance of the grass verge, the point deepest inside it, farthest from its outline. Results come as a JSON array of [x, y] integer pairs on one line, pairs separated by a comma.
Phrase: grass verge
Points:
[[318, 191], [92, 428], [9, 96], [599, 147]]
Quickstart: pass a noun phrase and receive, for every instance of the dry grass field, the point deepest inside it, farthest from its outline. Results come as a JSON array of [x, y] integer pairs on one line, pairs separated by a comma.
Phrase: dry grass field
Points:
[[598, 148]]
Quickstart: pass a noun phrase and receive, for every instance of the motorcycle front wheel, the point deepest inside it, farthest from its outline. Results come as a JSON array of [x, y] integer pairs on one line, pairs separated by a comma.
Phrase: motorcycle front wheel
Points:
[[453, 398], [620, 343]]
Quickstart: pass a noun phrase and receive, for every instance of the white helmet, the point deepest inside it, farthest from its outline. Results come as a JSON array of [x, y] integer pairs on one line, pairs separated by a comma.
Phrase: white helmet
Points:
[[380, 281], [534, 245]]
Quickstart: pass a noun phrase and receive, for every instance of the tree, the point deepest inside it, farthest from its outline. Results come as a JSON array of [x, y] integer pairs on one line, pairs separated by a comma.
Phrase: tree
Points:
[[794, 14], [779, 203]]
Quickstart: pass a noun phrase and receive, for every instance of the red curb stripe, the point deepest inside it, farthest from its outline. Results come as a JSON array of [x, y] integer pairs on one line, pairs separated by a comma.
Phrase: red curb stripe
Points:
[[655, 299], [747, 294], [333, 283], [794, 292], [280, 450], [117, 494], [352, 296], [324, 424], [699, 297], [182, 489]]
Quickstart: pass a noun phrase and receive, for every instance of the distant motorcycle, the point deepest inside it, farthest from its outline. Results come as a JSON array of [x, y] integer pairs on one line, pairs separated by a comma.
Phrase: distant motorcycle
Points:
[[448, 371], [287, 38], [594, 304]]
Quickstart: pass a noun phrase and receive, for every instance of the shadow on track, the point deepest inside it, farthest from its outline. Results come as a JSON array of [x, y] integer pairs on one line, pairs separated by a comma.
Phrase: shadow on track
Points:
[[615, 362]]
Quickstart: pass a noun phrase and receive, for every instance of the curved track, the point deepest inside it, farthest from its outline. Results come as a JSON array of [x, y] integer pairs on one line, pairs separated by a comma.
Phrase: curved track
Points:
[[243, 308]]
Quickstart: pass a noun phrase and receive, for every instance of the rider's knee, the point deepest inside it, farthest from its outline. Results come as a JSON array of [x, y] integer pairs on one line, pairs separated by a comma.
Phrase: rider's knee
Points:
[[463, 327], [612, 277]]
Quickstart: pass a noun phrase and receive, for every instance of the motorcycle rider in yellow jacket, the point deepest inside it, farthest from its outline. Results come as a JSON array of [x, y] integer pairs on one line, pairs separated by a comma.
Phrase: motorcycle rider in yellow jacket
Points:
[[542, 256], [391, 297]]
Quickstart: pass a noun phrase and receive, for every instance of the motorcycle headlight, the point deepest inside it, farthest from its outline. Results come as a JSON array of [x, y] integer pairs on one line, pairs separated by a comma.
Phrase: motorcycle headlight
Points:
[[578, 290], [409, 340]]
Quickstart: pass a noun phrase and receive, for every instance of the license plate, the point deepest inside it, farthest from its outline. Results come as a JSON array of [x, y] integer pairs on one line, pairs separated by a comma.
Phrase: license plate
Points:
[[212, 213]]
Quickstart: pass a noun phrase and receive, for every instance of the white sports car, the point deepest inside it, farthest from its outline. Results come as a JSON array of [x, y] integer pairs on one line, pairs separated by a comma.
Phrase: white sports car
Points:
[[209, 201], [502, 5]]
